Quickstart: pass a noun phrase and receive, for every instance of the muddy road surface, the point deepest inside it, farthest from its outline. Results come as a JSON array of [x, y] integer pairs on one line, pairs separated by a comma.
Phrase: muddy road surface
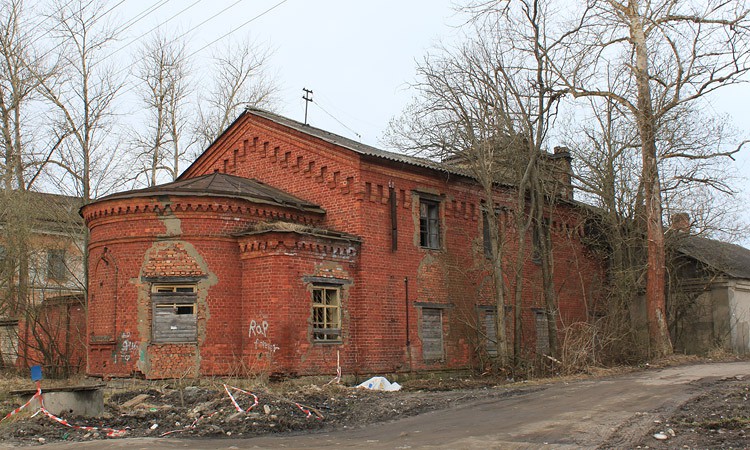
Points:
[[616, 412]]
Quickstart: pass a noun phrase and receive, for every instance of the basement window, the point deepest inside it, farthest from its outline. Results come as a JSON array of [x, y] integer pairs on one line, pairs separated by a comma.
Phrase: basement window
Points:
[[429, 223], [326, 314], [174, 313]]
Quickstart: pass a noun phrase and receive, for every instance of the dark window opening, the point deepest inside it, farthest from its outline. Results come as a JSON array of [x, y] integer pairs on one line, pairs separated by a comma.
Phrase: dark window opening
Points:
[[487, 239], [179, 310], [429, 223], [56, 268]]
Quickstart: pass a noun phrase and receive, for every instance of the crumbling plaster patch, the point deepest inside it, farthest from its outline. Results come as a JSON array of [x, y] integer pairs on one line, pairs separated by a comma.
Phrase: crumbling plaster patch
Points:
[[173, 227]]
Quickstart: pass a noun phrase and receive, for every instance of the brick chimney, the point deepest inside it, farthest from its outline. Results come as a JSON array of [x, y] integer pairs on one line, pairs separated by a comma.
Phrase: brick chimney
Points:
[[564, 170], [680, 222]]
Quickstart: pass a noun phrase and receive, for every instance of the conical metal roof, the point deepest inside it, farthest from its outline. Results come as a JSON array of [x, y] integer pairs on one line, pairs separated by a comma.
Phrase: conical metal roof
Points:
[[222, 185]]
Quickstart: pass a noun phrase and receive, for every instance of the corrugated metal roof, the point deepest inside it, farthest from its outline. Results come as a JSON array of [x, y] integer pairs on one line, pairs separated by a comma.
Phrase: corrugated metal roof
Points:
[[731, 259], [222, 185], [358, 147]]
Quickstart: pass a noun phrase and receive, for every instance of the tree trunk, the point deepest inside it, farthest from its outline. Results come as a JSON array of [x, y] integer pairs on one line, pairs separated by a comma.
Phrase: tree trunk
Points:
[[655, 282], [501, 336]]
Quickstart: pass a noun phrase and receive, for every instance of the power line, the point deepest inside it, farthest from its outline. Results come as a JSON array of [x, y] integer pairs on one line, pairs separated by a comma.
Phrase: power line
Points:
[[340, 111], [43, 35], [140, 16], [337, 120], [209, 19], [239, 27], [252, 19], [149, 31], [68, 38]]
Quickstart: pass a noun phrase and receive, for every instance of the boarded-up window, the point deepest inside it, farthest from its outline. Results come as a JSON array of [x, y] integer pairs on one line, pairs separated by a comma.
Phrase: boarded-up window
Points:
[[490, 335], [174, 313], [326, 311], [432, 333], [542, 333]]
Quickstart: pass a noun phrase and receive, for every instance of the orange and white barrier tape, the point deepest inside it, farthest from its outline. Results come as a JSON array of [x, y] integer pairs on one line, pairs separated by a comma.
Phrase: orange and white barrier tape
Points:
[[111, 432], [38, 394], [309, 411], [337, 378], [234, 402]]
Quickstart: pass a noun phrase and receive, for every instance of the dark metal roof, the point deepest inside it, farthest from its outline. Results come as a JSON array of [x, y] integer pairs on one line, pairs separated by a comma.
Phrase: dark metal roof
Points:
[[222, 185], [731, 259], [358, 147]]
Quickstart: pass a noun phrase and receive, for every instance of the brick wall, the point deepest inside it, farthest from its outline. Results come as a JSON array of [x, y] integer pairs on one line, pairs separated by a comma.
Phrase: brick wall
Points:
[[254, 300]]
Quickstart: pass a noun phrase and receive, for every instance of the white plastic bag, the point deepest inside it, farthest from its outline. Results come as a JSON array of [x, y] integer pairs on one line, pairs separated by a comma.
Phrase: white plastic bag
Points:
[[379, 384]]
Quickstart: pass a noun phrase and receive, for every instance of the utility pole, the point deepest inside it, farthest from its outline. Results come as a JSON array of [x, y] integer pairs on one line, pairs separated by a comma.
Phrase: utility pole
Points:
[[307, 96]]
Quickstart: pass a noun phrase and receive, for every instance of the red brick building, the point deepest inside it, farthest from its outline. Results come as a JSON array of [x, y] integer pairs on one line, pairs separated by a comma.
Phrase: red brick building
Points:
[[287, 249]]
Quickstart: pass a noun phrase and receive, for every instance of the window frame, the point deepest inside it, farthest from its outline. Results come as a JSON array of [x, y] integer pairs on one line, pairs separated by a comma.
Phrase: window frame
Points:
[[427, 353], [429, 223], [486, 237], [182, 299], [331, 330], [541, 330], [57, 268]]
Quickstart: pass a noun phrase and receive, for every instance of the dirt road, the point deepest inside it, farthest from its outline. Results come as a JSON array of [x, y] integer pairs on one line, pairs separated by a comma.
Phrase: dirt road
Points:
[[613, 412]]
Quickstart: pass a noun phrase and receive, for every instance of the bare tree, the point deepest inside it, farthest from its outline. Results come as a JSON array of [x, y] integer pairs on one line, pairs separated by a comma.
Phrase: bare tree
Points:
[[667, 53], [240, 79], [486, 107], [22, 148], [82, 92], [162, 70]]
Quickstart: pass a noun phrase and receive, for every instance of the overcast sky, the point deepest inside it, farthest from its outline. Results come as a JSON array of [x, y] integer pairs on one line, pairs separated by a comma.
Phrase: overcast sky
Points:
[[357, 56]]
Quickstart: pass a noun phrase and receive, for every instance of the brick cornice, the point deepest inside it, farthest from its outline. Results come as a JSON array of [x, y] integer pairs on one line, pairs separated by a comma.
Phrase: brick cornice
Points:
[[297, 244], [195, 207]]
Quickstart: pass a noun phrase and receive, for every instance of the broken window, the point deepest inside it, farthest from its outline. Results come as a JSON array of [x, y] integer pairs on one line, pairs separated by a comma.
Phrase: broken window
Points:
[[429, 223], [174, 313], [432, 333], [326, 314], [56, 268]]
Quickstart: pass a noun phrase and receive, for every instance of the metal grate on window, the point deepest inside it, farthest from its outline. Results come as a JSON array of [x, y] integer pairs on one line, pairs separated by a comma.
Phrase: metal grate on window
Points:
[[326, 314]]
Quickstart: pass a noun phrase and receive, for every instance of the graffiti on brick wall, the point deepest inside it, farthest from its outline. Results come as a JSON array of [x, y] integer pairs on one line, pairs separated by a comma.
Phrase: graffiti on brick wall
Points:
[[267, 346], [259, 330], [127, 348]]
